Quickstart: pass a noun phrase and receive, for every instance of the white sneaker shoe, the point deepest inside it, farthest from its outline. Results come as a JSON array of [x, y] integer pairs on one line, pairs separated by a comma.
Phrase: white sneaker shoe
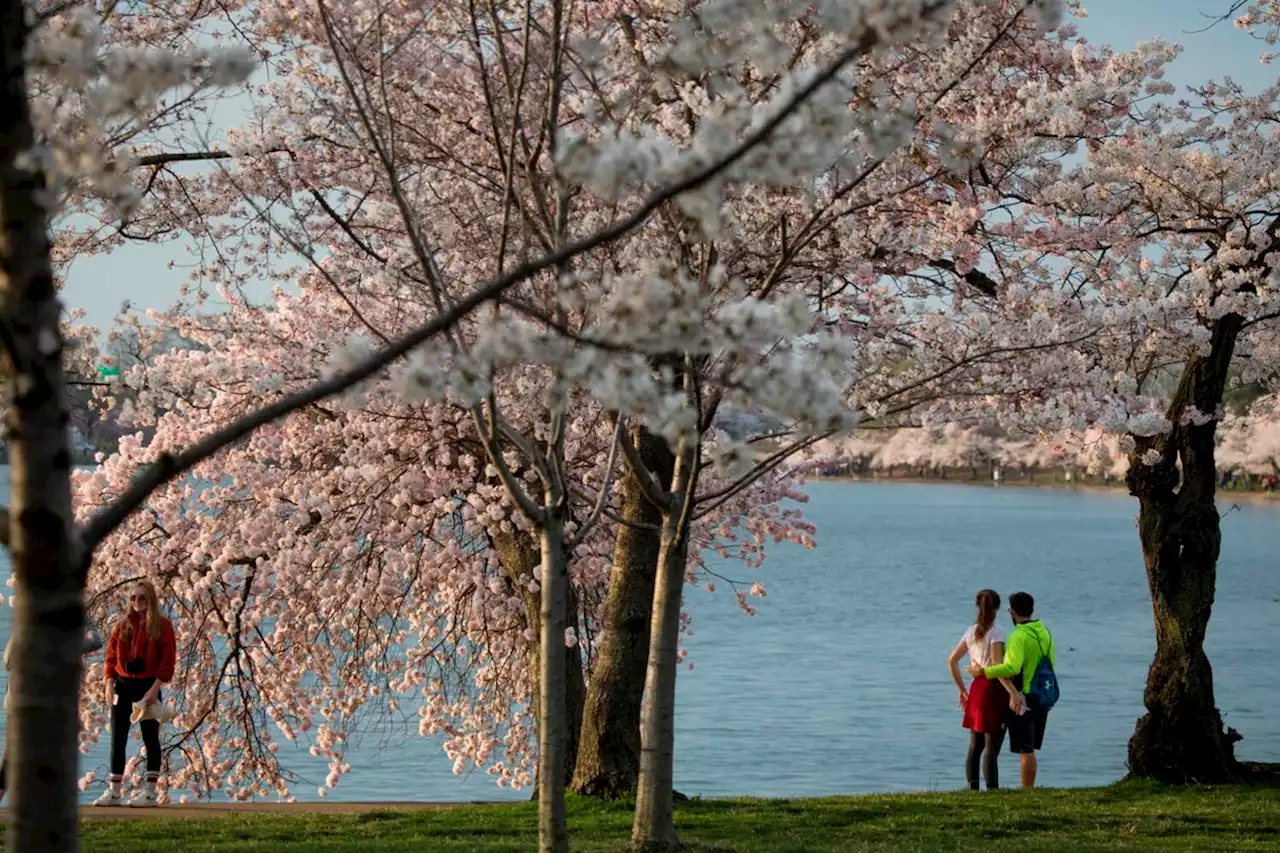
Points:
[[109, 798], [144, 799]]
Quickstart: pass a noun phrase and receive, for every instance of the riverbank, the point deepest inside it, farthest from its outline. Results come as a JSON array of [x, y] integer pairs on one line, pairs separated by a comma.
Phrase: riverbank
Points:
[[1116, 487], [1124, 817]]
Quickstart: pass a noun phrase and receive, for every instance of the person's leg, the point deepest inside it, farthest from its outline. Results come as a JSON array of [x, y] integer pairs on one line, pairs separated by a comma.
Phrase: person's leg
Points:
[[1029, 763], [990, 761], [977, 741], [1028, 769], [1021, 742], [4, 770], [151, 739], [120, 711]]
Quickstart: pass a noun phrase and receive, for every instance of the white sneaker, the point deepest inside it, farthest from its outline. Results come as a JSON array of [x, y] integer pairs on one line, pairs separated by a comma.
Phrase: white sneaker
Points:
[[144, 799], [109, 798]]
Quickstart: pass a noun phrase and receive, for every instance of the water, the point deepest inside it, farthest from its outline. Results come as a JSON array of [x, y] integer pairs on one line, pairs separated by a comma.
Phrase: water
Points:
[[839, 683]]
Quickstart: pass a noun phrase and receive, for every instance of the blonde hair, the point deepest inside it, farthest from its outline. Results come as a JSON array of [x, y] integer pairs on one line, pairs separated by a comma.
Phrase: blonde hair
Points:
[[154, 617]]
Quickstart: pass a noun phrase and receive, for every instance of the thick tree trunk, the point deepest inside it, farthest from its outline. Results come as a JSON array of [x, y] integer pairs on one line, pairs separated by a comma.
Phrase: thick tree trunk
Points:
[[609, 745], [48, 618], [553, 834], [518, 554], [1180, 739], [654, 826]]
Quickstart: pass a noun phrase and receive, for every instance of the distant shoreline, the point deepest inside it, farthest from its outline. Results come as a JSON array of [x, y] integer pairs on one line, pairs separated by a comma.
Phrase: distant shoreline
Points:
[[1118, 488]]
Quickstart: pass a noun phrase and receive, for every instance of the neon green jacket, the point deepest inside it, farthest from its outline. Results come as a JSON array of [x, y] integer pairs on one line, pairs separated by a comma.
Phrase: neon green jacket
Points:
[[1022, 654]]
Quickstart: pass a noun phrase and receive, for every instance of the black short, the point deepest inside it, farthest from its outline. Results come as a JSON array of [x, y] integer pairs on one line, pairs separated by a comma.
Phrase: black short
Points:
[[1026, 731]]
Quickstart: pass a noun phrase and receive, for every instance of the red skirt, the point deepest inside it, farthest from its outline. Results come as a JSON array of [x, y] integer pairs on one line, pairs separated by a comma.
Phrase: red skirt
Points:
[[987, 707]]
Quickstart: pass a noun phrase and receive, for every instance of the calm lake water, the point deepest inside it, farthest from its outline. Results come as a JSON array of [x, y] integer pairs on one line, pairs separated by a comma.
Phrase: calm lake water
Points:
[[839, 683]]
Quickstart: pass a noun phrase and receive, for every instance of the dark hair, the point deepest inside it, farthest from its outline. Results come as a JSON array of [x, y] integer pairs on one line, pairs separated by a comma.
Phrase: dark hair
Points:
[[1023, 604], [988, 602]]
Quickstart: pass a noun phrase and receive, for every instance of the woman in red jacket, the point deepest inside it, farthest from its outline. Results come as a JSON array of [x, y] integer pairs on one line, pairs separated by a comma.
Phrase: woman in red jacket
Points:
[[140, 660]]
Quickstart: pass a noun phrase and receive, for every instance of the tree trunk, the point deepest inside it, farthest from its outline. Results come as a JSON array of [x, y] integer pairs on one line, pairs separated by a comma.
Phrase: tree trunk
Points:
[[654, 826], [518, 554], [48, 619], [609, 744], [553, 835], [1180, 739]]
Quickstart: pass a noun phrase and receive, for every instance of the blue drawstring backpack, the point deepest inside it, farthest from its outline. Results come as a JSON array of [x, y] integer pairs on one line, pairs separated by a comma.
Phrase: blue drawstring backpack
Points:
[[1042, 692]]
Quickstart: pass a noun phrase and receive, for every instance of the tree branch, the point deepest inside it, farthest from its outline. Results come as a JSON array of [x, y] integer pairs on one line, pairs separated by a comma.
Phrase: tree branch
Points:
[[715, 499], [582, 532], [975, 278], [652, 488], [181, 157], [486, 423]]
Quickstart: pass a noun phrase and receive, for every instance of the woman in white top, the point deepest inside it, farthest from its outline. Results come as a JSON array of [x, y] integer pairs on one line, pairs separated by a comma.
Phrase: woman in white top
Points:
[[985, 703]]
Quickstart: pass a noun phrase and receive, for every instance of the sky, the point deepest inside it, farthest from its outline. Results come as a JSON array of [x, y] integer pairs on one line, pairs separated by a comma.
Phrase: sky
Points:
[[139, 273]]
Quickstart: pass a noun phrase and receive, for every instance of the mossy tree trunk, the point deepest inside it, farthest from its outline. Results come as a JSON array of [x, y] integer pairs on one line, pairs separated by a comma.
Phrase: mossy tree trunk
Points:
[[1181, 738], [609, 748]]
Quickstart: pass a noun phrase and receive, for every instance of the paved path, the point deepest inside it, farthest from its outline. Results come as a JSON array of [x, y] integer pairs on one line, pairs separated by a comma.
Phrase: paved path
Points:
[[215, 810]]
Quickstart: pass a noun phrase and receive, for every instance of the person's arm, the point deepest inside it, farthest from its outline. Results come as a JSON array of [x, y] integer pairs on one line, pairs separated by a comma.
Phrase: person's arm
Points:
[[1013, 659], [953, 663], [168, 660], [997, 653]]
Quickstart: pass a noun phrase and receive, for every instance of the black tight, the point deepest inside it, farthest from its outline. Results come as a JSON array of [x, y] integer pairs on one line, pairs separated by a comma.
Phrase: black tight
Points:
[[984, 750], [128, 691]]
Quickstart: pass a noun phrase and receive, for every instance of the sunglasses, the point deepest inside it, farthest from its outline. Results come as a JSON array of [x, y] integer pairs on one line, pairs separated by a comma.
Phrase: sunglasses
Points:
[[138, 596]]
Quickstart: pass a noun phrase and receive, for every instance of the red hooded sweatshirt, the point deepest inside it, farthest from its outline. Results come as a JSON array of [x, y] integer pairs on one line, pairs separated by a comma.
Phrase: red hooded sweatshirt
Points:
[[158, 655]]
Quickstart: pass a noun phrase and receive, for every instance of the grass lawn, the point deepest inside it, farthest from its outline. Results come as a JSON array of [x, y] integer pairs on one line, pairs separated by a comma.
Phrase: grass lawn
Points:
[[1123, 817]]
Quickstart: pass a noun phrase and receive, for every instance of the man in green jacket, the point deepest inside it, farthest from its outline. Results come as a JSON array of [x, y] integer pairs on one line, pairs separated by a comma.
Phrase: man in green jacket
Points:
[[1028, 643]]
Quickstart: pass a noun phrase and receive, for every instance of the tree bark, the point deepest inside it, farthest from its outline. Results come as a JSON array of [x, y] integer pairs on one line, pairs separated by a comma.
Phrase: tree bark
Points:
[[1181, 739], [654, 826], [553, 834], [48, 619], [608, 761], [518, 554]]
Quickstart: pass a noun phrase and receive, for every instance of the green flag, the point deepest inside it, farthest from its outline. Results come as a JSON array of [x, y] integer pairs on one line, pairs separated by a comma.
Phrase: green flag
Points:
[[108, 370]]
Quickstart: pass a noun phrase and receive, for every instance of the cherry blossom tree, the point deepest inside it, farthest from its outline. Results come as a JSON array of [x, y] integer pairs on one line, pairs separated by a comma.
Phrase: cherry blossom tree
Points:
[[1155, 251], [1162, 239]]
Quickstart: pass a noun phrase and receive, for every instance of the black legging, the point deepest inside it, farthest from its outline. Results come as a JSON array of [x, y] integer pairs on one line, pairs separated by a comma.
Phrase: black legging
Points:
[[128, 691], [984, 750]]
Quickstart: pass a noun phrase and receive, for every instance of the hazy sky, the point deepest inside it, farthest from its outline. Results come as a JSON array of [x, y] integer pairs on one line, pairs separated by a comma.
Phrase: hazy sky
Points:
[[139, 273]]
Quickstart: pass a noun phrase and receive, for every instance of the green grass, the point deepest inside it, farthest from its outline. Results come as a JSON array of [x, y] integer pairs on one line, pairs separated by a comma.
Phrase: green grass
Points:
[[1124, 817]]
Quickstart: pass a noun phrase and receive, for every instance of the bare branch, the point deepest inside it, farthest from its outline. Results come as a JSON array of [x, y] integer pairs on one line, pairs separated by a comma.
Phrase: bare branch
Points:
[[487, 428], [652, 488], [181, 157], [590, 522], [717, 498]]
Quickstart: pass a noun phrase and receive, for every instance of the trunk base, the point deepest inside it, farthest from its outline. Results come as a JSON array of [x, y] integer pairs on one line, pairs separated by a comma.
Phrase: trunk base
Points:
[[1180, 740], [1175, 755], [605, 785]]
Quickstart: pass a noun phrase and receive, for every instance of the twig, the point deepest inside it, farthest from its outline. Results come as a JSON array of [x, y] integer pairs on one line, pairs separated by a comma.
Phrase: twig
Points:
[[590, 522]]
